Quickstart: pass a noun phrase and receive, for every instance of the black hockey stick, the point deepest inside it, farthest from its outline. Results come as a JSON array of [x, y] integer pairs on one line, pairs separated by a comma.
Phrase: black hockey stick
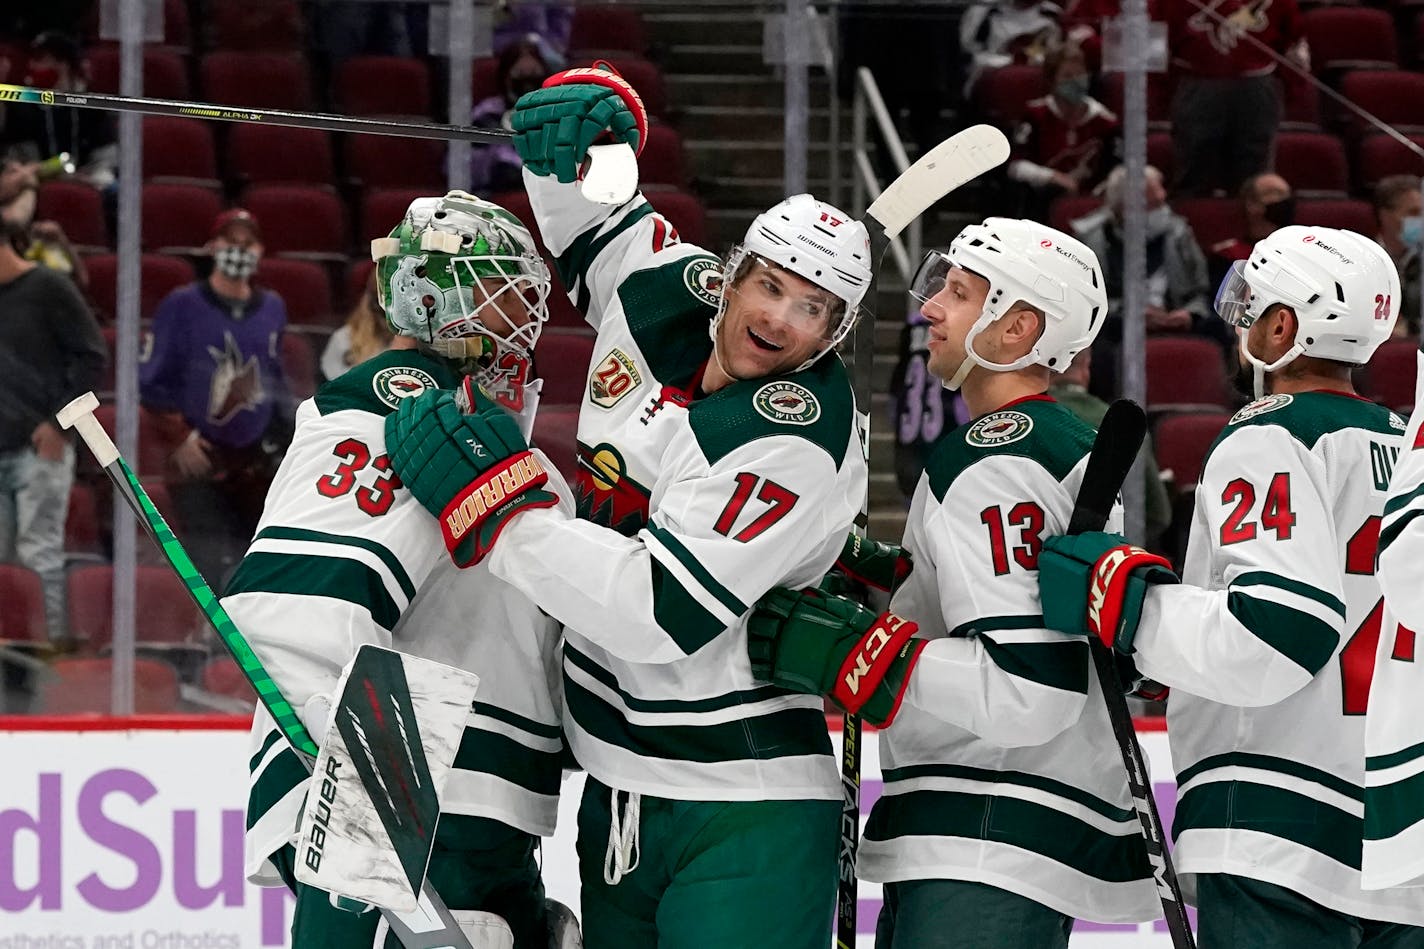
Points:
[[431, 926], [1119, 439]]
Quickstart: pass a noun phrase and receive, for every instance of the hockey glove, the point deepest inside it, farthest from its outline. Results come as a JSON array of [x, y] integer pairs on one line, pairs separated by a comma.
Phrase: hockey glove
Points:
[[465, 461], [1094, 584], [808, 642], [554, 126], [873, 564]]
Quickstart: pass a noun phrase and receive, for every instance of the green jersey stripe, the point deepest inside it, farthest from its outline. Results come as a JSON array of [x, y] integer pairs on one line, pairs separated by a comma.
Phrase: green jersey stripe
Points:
[[540, 729], [1243, 805], [987, 624], [1391, 809], [1265, 578], [674, 706], [1013, 822], [1402, 501], [490, 842], [693, 566], [1381, 762], [492, 753], [339, 578], [1246, 759], [679, 613], [276, 782], [785, 733], [1067, 791], [573, 263], [392, 562], [1061, 665], [1395, 528], [272, 738], [1304, 639]]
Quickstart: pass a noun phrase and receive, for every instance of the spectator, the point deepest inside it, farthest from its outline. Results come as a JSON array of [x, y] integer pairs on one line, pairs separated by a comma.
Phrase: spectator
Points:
[[211, 369], [50, 352], [547, 25], [44, 242], [1083, 24], [32, 133], [1065, 142], [1228, 100], [1399, 209], [1267, 203], [924, 409], [364, 334], [1071, 389], [522, 68], [999, 32]]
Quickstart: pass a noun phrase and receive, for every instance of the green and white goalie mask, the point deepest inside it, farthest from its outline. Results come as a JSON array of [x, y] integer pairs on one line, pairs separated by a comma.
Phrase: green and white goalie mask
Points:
[[462, 276]]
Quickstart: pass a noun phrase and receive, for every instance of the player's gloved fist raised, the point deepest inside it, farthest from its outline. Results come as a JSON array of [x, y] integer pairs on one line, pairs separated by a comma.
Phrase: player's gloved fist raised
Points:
[[808, 642], [1094, 584], [464, 459], [877, 565], [555, 125]]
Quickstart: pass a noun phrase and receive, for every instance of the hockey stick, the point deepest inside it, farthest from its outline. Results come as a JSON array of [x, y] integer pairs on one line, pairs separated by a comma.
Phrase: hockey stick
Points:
[[1115, 449], [609, 177], [431, 926], [949, 165]]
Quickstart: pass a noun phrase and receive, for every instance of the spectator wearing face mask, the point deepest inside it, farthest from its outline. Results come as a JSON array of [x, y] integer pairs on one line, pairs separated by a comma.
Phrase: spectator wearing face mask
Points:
[[1065, 143], [1267, 203], [1399, 209], [522, 68], [32, 133], [211, 368]]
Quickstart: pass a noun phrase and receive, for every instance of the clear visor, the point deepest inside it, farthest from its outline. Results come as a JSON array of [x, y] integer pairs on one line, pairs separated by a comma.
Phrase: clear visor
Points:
[[931, 276], [1233, 297], [772, 289]]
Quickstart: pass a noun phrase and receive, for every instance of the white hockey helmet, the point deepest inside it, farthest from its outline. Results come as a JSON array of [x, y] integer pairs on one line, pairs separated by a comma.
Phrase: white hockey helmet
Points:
[[817, 242], [1342, 287], [1024, 262]]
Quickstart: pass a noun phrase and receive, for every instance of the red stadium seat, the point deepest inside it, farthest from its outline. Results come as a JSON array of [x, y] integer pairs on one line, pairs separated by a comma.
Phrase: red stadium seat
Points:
[[81, 522], [562, 359], [662, 161], [179, 148], [1314, 163], [160, 275], [85, 687], [1393, 96], [178, 216], [1300, 108], [302, 285], [1069, 208], [13, 59], [1355, 216], [385, 161], [299, 219], [271, 154], [562, 312], [223, 676], [256, 25], [256, 80], [382, 209], [1161, 156], [1390, 376], [556, 435], [1004, 93], [608, 28], [383, 85], [22, 615], [1185, 373], [1180, 443], [165, 75], [1213, 219], [154, 446], [299, 365], [357, 273], [484, 78], [78, 208], [684, 211], [166, 614], [1350, 37], [642, 76], [1380, 155]]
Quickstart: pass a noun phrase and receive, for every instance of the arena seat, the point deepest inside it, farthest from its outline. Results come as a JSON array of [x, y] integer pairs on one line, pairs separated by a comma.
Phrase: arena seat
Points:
[[272, 154], [1379, 156], [517, 203], [299, 219], [484, 79], [154, 446], [78, 208], [1315, 164], [223, 676], [562, 360], [255, 25], [178, 216], [386, 161], [1355, 216], [302, 285], [180, 149], [1067, 209], [607, 28], [1212, 219], [165, 613], [1350, 37], [641, 75], [1180, 443], [1390, 376], [81, 523], [684, 211], [22, 616], [1185, 373], [256, 80], [165, 75], [383, 85], [85, 687], [160, 275], [382, 209], [662, 161], [1393, 96], [1004, 93]]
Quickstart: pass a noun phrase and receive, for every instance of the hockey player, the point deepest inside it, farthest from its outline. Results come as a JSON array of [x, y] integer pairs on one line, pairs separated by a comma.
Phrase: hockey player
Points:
[[1004, 814], [718, 456], [1270, 642], [344, 556]]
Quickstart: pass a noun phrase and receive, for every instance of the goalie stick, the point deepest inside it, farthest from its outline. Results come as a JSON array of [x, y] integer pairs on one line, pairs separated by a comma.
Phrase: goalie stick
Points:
[[1115, 448], [430, 926], [949, 165]]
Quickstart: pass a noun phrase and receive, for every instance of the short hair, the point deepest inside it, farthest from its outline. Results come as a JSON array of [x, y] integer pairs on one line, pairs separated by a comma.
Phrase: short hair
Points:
[[1117, 181], [1391, 188], [1057, 55], [60, 45]]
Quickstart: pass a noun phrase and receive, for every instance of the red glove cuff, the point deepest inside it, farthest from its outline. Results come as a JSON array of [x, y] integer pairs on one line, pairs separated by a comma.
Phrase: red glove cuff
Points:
[[866, 666], [487, 494], [602, 73], [1109, 586]]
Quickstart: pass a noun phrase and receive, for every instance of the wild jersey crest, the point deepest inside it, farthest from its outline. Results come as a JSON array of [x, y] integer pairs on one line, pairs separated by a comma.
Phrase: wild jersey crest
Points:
[[1261, 406], [786, 402], [401, 382], [999, 428]]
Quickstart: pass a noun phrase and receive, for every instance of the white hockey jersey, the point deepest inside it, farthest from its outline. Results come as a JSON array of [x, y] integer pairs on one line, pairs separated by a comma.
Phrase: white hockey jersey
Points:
[[712, 500], [1394, 723], [1268, 646], [1000, 767], [343, 556]]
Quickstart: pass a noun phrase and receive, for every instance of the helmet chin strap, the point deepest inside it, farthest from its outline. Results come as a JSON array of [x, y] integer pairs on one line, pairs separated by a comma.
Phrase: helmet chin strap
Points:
[[972, 359], [1259, 367]]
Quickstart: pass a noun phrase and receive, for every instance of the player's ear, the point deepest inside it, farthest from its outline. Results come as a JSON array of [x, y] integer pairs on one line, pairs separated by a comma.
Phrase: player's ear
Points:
[[1023, 326]]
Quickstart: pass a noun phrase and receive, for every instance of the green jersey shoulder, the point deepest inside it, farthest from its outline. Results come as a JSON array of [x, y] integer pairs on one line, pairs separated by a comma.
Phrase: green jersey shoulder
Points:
[[1307, 416], [1037, 429], [378, 384]]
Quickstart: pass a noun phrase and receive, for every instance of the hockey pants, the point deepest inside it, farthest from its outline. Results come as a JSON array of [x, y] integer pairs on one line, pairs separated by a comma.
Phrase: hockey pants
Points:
[[730, 874], [956, 914], [1235, 912]]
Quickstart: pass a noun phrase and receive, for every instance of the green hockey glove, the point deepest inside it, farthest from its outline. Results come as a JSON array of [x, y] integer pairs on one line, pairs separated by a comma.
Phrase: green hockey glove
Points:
[[1094, 583], [873, 564], [555, 125], [808, 642], [464, 459]]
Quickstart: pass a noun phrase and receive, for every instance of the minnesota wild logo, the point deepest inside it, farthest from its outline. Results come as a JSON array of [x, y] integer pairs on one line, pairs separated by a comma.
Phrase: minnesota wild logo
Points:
[[1000, 428], [786, 402], [703, 276], [401, 382]]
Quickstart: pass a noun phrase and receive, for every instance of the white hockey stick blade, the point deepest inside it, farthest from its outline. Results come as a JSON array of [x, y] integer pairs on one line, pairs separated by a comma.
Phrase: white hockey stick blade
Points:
[[610, 174], [953, 162]]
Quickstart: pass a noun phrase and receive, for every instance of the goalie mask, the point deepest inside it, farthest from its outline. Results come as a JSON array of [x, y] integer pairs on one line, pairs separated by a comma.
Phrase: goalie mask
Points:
[[1342, 287], [462, 276]]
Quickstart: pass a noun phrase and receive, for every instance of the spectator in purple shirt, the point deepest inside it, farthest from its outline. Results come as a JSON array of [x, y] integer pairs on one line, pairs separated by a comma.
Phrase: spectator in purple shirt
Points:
[[212, 371], [522, 68]]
